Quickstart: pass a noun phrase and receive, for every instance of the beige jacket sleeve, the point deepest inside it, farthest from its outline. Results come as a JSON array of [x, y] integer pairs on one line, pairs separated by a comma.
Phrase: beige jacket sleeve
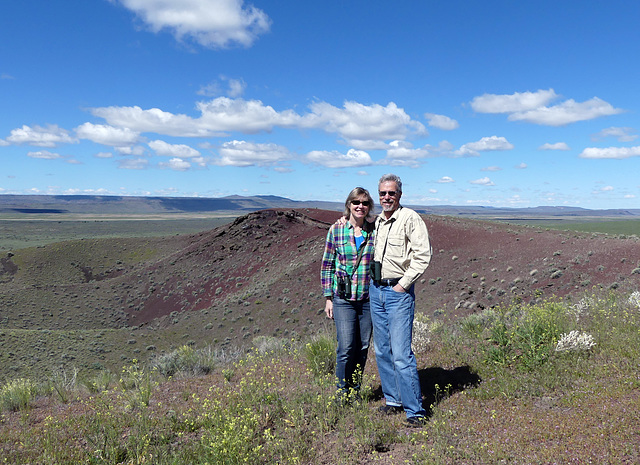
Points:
[[419, 249]]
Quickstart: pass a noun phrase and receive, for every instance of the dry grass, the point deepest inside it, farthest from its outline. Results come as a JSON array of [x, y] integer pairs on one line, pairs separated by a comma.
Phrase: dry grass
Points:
[[526, 403]]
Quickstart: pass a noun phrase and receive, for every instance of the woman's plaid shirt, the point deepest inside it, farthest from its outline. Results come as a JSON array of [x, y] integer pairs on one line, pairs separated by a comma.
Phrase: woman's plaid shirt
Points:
[[339, 258]]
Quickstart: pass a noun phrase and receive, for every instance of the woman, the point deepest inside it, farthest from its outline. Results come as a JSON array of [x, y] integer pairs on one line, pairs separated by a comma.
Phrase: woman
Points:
[[345, 282]]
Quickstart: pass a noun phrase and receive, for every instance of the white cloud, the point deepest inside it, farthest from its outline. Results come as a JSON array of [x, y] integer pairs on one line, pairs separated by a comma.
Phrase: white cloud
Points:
[[532, 107], [176, 164], [136, 150], [617, 153], [491, 168], [567, 112], [104, 155], [217, 117], [403, 150], [356, 122], [107, 135], [521, 166], [3, 143], [353, 158], [517, 102], [241, 153], [361, 126], [49, 136], [622, 134], [173, 150], [210, 23], [483, 182], [234, 88], [485, 144], [441, 122], [555, 146], [44, 155], [445, 179]]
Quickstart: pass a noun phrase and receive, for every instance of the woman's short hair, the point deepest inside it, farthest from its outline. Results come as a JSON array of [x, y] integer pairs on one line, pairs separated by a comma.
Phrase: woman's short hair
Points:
[[354, 194]]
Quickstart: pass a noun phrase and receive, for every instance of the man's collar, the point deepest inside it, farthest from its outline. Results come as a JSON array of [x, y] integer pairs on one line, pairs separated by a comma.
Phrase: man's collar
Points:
[[394, 215]]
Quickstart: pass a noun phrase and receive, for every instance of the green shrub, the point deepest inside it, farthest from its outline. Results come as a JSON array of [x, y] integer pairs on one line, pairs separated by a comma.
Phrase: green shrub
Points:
[[320, 354], [17, 394]]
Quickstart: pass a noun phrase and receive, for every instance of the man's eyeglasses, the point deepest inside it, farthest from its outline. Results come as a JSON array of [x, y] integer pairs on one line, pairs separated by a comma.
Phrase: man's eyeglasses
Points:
[[365, 203], [390, 193]]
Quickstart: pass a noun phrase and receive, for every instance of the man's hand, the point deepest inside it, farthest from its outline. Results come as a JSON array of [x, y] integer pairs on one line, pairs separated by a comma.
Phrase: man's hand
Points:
[[399, 288], [328, 308]]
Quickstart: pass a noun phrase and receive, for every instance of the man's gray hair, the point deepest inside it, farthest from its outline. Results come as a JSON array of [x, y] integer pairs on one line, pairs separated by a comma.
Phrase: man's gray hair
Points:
[[391, 178]]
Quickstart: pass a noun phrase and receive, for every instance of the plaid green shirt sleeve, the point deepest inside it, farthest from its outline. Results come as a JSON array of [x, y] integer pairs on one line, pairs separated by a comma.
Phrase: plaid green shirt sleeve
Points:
[[339, 258]]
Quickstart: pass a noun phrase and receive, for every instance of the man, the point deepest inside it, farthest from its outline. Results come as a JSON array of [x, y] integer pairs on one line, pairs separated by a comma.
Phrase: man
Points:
[[403, 250]]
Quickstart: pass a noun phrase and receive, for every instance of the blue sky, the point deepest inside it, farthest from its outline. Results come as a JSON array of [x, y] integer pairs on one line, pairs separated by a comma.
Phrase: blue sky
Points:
[[495, 103]]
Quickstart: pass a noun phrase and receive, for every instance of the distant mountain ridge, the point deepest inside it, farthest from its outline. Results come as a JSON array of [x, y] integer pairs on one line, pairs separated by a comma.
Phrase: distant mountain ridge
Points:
[[108, 204]]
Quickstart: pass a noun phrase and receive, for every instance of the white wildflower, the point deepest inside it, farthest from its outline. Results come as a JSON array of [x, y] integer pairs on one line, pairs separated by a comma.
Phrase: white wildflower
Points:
[[575, 341], [421, 338], [581, 308], [634, 299]]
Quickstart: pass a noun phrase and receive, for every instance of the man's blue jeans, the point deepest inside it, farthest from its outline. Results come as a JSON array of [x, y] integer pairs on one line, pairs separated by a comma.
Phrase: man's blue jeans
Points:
[[392, 315], [353, 328]]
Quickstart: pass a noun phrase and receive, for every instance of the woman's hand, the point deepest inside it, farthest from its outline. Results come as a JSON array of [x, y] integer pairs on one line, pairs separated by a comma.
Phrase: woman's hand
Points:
[[328, 308]]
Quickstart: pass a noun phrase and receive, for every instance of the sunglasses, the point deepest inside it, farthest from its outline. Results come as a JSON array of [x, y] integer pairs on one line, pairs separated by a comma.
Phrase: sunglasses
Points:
[[365, 203], [384, 193]]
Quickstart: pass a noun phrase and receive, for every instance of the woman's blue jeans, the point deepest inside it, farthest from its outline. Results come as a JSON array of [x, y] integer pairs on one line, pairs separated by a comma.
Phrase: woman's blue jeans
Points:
[[392, 315], [353, 328]]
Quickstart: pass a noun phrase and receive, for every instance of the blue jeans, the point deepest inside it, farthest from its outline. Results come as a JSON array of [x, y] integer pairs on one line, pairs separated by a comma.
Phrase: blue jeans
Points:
[[353, 328], [392, 315]]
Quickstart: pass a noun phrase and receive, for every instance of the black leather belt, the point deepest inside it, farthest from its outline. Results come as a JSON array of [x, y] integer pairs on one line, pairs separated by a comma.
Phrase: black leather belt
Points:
[[388, 282]]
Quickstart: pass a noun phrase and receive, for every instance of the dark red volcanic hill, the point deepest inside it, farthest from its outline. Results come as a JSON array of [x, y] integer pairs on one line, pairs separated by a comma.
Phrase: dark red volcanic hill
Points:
[[270, 260]]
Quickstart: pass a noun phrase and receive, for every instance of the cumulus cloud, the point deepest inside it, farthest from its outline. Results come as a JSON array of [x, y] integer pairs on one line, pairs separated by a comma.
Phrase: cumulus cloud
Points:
[[217, 117], [353, 158], [486, 144], [441, 122], [356, 122], [532, 107], [44, 155], [445, 180], [617, 153], [483, 182], [48, 136], [517, 102], [521, 166], [176, 164], [107, 135], [624, 134], [555, 146], [403, 150], [135, 150], [173, 150], [241, 153], [210, 23], [361, 126], [567, 112]]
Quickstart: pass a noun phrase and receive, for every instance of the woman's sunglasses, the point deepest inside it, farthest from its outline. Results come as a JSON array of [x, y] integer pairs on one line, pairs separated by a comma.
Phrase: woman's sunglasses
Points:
[[365, 203]]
